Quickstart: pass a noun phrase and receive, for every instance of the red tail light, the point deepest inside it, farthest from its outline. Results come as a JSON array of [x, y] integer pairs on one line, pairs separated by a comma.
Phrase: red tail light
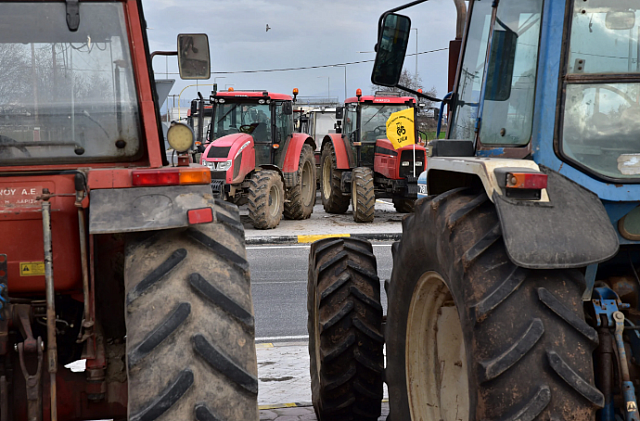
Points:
[[526, 181], [171, 177]]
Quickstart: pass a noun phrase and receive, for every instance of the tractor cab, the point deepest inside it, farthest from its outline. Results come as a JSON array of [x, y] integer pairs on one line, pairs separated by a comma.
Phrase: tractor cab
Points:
[[365, 121], [266, 117]]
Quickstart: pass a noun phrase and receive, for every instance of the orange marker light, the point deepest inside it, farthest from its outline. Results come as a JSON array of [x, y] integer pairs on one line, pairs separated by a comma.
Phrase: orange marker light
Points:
[[526, 181], [358, 92], [230, 88], [195, 176], [420, 90], [276, 146], [295, 91]]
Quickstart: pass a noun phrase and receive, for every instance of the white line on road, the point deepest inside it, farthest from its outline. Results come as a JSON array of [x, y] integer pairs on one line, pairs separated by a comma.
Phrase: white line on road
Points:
[[299, 247], [281, 338]]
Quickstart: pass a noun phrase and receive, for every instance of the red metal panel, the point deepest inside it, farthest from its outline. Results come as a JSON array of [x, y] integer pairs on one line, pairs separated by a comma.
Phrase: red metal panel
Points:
[[21, 227], [292, 158], [342, 159]]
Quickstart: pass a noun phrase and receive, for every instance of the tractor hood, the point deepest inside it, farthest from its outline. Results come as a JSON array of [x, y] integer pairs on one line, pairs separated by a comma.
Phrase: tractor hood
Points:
[[227, 147]]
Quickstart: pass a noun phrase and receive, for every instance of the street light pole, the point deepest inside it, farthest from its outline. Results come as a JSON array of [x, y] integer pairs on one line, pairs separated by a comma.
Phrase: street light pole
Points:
[[328, 86], [345, 81], [416, 29]]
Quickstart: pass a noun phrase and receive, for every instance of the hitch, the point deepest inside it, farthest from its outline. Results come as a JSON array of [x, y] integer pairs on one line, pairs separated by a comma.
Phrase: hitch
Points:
[[34, 392]]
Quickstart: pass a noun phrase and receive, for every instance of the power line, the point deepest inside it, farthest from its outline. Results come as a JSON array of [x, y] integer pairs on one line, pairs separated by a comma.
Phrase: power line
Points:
[[324, 66]]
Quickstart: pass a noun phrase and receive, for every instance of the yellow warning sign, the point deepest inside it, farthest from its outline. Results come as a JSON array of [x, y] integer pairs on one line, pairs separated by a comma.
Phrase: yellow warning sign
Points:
[[31, 268], [401, 128]]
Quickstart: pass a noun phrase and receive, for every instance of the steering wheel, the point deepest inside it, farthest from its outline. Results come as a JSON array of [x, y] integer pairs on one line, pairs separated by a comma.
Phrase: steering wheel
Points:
[[6, 140], [380, 130], [247, 128]]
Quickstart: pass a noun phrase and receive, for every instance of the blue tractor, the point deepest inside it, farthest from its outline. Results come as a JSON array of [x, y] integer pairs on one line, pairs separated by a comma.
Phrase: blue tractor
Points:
[[515, 292]]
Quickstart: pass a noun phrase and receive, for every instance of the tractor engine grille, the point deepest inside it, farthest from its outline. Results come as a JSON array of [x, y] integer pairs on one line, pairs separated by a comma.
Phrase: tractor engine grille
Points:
[[216, 152], [407, 156]]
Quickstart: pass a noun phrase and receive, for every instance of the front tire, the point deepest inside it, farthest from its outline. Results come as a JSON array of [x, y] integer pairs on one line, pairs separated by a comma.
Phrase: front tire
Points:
[[403, 205], [506, 343], [190, 327], [363, 195], [330, 182], [345, 330], [265, 199], [302, 197]]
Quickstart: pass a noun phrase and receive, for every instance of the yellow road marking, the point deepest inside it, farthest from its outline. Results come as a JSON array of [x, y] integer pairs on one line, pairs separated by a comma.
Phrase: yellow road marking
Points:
[[261, 346], [278, 405], [312, 238]]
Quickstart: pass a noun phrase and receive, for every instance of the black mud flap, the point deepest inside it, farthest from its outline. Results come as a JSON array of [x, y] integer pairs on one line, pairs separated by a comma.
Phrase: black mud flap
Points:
[[145, 208], [572, 230]]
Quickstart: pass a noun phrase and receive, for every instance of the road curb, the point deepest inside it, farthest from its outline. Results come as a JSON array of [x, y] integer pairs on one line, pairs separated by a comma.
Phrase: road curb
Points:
[[305, 239]]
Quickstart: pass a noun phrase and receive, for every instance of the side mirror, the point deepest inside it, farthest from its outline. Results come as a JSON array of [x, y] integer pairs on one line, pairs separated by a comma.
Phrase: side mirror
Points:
[[287, 108], [391, 48], [500, 71], [193, 56], [620, 20], [339, 113]]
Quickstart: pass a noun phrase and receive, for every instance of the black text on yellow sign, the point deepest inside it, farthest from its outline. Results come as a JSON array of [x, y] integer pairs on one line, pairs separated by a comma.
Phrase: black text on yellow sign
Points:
[[31, 268], [401, 128]]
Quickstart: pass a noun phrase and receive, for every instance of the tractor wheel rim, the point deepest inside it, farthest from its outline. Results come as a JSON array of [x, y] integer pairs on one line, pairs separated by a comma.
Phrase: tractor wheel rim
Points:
[[326, 178], [274, 200], [307, 184], [435, 344]]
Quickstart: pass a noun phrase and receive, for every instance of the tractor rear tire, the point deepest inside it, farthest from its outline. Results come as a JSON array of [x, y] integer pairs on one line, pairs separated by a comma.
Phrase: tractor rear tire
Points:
[[472, 336], [345, 330], [190, 326], [265, 199], [403, 205], [302, 197], [363, 195], [333, 200]]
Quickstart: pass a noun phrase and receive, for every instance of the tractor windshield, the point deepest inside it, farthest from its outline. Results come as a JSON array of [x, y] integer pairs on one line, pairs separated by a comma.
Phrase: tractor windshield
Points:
[[66, 97], [241, 117], [374, 120], [601, 120]]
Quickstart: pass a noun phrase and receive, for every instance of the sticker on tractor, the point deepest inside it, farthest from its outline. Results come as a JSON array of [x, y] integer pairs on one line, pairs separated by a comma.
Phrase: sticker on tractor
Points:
[[31, 268], [21, 197], [400, 128]]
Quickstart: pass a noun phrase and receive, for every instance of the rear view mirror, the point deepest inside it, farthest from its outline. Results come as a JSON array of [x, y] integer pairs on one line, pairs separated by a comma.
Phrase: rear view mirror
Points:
[[500, 71], [287, 108], [339, 113], [391, 48], [193, 56], [620, 20]]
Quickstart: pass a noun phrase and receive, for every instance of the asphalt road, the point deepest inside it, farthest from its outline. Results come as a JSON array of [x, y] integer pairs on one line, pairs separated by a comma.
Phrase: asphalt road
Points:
[[279, 288]]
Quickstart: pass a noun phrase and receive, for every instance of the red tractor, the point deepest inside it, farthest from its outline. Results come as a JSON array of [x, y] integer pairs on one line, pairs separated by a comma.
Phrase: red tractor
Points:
[[257, 159], [361, 163], [107, 253]]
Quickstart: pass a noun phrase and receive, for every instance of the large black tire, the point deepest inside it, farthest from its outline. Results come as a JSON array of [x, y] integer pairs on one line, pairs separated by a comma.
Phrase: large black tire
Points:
[[345, 330], [302, 197], [403, 205], [333, 200], [460, 308], [363, 195], [265, 199], [190, 328]]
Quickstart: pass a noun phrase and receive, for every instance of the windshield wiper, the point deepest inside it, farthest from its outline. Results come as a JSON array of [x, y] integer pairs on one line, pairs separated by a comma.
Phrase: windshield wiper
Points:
[[377, 112]]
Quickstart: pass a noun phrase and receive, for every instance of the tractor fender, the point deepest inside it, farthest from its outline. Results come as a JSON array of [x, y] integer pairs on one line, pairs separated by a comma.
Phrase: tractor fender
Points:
[[567, 228], [146, 208], [294, 149], [342, 158]]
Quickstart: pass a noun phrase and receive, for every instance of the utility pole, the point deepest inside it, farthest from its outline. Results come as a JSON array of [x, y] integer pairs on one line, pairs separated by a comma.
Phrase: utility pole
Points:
[[416, 74]]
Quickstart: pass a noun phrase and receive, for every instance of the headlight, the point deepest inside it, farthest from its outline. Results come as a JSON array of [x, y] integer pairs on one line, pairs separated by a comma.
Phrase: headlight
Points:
[[418, 163], [209, 164], [180, 137], [405, 163], [224, 166]]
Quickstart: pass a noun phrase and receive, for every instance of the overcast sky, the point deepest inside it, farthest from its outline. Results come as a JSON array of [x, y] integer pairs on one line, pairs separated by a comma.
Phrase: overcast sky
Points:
[[303, 33]]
